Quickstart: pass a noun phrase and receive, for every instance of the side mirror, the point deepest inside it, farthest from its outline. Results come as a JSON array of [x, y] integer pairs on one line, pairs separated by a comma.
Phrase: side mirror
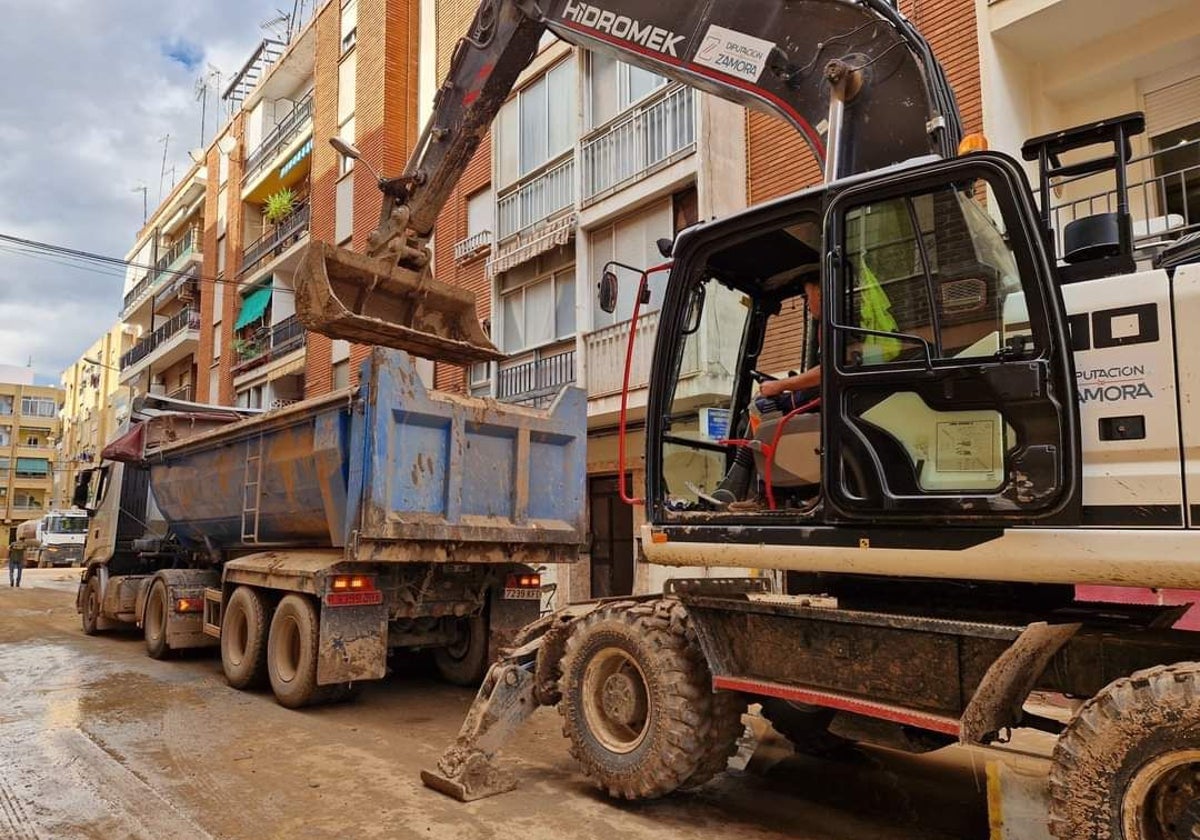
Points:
[[608, 291], [79, 498]]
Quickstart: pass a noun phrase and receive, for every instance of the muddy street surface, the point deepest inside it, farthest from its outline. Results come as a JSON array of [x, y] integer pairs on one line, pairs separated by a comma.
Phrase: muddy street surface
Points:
[[99, 741]]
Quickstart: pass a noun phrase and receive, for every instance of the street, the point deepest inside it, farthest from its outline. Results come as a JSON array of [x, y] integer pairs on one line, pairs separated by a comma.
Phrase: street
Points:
[[99, 741]]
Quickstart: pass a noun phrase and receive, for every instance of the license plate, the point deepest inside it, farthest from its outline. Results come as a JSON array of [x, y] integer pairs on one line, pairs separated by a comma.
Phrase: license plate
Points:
[[518, 594]]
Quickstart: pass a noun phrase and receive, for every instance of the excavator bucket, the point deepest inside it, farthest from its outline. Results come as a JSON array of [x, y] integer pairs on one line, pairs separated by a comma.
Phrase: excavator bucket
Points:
[[355, 297]]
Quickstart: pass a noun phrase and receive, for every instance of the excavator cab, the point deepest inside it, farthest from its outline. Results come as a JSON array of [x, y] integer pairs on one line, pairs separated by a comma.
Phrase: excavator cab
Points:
[[946, 383]]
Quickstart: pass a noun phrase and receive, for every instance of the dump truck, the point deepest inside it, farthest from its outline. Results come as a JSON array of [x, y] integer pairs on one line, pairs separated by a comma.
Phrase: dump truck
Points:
[[1002, 412], [55, 539], [311, 541]]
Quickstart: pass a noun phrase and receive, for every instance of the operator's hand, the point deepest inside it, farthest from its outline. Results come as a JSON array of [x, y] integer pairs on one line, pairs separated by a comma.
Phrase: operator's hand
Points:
[[771, 388]]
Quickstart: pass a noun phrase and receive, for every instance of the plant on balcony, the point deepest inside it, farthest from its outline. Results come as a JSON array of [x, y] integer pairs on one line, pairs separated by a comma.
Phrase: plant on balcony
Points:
[[279, 206], [247, 348]]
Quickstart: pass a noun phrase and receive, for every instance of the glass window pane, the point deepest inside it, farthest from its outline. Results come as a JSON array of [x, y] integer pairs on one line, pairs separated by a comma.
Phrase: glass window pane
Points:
[[514, 327], [562, 109], [603, 102], [564, 304], [480, 209], [508, 143], [539, 313], [534, 125], [344, 209], [347, 71], [640, 83]]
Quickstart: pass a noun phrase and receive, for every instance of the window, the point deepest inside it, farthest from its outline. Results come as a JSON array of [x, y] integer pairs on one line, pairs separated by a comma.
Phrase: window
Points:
[[33, 440], [481, 379], [1177, 166], [538, 124], [219, 293], [347, 71], [5, 436], [38, 406], [341, 375], [481, 209], [6, 405], [346, 133], [935, 267], [343, 227], [220, 270], [537, 306], [349, 24], [613, 86], [26, 500], [4, 464], [633, 241]]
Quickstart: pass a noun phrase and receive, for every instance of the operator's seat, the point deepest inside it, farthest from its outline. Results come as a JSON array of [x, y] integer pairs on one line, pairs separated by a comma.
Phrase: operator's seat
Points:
[[797, 454]]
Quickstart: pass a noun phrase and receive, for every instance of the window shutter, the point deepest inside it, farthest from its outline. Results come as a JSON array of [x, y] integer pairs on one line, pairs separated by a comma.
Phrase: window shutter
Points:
[[1173, 106]]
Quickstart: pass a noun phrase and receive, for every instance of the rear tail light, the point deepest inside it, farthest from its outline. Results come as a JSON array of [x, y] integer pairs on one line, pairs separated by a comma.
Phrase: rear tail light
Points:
[[523, 581], [352, 583], [189, 605]]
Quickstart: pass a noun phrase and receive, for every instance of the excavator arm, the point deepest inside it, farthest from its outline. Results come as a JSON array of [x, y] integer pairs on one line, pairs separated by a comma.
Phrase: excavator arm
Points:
[[853, 77]]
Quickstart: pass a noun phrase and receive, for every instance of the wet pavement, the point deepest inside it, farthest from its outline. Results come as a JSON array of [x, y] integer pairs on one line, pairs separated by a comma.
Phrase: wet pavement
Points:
[[99, 741]]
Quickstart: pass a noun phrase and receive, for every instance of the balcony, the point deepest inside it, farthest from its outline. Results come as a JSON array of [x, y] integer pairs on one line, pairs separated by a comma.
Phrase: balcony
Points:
[[274, 242], [649, 137], [472, 246], [536, 198], [268, 344], [537, 381], [167, 265], [1164, 196], [606, 349], [187, 320], [297, 121]]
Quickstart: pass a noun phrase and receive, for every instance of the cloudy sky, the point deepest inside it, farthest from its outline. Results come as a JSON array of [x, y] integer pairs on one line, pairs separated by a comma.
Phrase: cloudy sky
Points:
[[90, 88]]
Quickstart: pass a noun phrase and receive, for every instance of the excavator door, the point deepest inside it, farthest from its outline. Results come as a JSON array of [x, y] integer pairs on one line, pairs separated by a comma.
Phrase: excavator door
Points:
[[948, 392]]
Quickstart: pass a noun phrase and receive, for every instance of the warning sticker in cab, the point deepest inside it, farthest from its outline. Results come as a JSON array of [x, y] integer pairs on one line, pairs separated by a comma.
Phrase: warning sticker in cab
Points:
[[734, 53], [966, 446]]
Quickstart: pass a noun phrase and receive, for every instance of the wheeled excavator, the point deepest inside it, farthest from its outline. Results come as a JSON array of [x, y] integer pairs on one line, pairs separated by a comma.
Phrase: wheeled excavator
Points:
[[1004, 412]]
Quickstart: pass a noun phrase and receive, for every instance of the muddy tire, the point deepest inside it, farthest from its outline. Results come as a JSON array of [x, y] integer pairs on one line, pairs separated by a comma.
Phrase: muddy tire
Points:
[[466, 661], [90, 614], [722, 741], [1128, 765], [637, 703], [154, 621], [244, 628], [805, 726], [292, 652]]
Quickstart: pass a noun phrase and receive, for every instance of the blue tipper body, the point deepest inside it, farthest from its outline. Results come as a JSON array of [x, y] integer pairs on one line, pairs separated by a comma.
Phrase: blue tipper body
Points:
[[389, 470]]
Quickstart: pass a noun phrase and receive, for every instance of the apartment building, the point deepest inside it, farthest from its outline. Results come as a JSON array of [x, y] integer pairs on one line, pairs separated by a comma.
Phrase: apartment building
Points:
[[209, 293], [94, 404], [1051, 64], [28, 427]]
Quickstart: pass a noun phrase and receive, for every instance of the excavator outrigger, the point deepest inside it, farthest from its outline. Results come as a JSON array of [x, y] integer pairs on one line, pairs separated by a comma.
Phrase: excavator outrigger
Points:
[[960, 484]]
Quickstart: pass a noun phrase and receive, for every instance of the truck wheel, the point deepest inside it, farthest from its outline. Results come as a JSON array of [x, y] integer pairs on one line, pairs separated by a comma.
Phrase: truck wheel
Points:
[[154, 621], [91, 607], [292, 652], [637, 705], [244, 638], [465, 661], [1128, 766], [807, 727]]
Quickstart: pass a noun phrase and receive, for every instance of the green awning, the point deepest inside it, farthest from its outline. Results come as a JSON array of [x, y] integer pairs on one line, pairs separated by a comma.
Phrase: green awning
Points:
[[253, 307], [35, 466]]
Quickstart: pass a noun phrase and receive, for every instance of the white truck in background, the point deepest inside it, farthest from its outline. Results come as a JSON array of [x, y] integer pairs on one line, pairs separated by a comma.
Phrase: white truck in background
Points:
[[54, 540]]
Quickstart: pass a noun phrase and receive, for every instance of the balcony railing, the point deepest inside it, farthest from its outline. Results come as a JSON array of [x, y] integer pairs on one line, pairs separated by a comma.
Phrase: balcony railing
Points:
[[277, 240], [166, 266], [537, 198], [638, 141], [535, 380], [185, 393], [138, 290], [188, 319], [472, 245], [287, 130], [606, 349], [270, 343], [1164, 196]]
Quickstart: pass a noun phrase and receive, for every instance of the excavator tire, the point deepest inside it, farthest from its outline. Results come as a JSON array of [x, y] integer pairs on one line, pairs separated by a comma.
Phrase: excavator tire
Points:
[[1128, 765], [806, 728], [637, 703], [727, 727]]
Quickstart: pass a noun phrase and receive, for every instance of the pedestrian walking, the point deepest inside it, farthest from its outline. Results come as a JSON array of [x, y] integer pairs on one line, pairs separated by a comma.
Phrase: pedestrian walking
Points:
[[16, 565]]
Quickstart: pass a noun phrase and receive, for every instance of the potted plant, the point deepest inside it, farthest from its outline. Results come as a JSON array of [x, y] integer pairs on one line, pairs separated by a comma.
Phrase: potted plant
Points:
[[279, 206]]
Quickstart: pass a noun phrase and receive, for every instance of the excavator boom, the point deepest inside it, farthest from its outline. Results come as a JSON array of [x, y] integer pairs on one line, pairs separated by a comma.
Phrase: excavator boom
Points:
[[853, 77]]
